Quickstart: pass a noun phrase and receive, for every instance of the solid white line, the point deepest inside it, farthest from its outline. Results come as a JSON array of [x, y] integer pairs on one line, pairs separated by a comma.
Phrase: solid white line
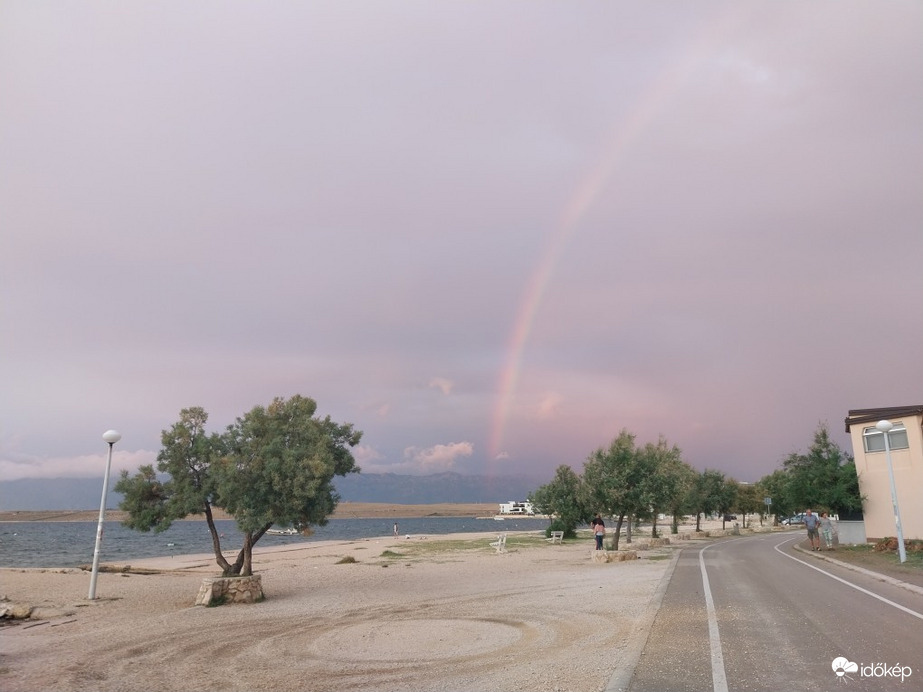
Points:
[[718, 676], [857, 588]]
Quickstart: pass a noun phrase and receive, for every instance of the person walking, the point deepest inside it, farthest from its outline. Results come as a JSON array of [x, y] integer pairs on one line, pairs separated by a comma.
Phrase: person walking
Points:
[[811, 522], [395, 528], [827, 530], [599, 531]]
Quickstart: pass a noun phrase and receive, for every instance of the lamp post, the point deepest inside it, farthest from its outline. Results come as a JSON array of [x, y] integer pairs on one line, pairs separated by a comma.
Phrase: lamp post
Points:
[[885, 427], [111, 437]]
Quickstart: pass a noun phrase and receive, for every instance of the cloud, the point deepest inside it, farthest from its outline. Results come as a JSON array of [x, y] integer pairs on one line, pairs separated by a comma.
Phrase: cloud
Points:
[[370, 277], [442, 384], [438, 457], [502, 455], [86, 465], [417, 460], [549, 405], [366, 456]]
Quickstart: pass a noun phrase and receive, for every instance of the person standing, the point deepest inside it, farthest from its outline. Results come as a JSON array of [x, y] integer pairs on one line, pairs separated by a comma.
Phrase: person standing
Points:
[[395, 528], [811, 522], [826, 530], [599, 531]]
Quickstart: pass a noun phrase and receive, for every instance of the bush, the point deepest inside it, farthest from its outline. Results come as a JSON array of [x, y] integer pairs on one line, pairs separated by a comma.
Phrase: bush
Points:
[[558, 525]]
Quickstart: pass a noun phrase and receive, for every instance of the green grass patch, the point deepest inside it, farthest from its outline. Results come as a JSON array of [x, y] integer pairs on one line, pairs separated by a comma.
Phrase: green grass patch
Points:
[[870, 555], [348, 560]]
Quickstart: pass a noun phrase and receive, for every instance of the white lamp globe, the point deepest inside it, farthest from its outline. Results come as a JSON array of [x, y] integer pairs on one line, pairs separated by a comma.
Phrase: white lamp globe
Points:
[[112, 436]]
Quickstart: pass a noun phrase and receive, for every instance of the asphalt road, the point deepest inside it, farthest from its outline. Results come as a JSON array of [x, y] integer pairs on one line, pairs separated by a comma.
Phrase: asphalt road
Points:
[[752, 613]]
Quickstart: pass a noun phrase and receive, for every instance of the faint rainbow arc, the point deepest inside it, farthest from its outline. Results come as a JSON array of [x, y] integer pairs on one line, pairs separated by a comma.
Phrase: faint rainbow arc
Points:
[[620, 137]]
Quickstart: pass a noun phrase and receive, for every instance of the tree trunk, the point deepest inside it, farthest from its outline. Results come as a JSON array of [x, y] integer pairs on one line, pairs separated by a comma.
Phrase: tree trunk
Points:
[[243, 565], [674, 528], [654, 525], [216, 540], [698, 522], [628, 530], [618, 532]]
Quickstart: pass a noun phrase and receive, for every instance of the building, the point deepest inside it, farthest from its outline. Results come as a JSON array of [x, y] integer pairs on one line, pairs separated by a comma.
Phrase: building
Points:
[[906, 442], [521, 508]]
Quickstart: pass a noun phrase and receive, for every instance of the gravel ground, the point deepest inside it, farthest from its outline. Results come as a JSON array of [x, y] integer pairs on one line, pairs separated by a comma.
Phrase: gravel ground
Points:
[[442, 614]]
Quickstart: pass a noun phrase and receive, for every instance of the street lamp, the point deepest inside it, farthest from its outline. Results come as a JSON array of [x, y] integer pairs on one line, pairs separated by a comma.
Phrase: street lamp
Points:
[[111, 437], [885, 427]]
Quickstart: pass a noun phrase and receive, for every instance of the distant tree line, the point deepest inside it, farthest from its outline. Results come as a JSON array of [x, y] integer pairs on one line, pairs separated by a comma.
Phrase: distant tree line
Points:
[[628, 482]]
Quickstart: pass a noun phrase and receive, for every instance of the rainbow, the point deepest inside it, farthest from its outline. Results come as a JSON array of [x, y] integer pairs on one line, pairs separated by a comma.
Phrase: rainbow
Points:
[[619, 139]]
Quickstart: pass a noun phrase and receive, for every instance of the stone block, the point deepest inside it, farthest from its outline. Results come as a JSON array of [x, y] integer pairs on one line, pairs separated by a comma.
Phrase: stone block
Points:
[[219, 590]]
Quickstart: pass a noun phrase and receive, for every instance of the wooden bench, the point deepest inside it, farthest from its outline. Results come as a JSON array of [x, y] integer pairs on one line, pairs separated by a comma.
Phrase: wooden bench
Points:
[[556, 537], [500, 543]]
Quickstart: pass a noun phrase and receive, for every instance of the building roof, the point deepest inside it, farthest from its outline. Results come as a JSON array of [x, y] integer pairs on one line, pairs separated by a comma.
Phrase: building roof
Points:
[[873, 415]]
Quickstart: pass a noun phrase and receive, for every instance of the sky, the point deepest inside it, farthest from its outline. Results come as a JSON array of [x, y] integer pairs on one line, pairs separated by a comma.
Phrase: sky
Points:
[[491, 236]]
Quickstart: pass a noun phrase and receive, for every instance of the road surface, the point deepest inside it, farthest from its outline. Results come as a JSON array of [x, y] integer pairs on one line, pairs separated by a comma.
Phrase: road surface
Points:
[[752, 613]]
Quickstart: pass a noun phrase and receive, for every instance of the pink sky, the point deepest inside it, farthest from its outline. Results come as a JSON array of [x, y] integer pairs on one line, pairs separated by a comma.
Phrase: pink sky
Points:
[[490, 236]]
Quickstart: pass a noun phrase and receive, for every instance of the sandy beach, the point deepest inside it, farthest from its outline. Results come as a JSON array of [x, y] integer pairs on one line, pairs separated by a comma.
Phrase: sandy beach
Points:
[[425, 613]]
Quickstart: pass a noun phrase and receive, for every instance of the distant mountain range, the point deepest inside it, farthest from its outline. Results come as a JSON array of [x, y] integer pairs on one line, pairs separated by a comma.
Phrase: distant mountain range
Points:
[[33, 494]]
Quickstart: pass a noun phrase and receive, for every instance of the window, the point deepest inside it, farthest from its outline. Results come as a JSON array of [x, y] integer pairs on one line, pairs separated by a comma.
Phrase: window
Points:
[[874, 440]]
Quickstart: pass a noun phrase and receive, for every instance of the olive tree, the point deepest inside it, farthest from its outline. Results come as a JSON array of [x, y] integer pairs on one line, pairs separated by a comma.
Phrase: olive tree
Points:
[[667, 480], [274, 465], [707, 494], [618, 480], [564, 498]]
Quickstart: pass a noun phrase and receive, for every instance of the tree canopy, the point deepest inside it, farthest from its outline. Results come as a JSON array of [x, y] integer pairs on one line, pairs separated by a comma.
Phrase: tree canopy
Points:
[[621, 480], [824, 478], [274, 465]]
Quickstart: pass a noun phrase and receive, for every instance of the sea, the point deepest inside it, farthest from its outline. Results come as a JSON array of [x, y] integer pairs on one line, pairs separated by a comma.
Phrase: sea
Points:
[[71, 543]]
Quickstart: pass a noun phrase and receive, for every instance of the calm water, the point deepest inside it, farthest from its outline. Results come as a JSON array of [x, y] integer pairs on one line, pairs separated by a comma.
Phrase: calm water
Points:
[[70, 543]]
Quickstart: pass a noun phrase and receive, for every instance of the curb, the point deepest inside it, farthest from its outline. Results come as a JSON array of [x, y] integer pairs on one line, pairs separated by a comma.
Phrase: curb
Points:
[[867, 572]]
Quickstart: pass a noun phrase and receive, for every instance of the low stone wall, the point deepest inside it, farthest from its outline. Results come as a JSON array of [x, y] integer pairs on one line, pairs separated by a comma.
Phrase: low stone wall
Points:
[[614, 556], [219, 590]]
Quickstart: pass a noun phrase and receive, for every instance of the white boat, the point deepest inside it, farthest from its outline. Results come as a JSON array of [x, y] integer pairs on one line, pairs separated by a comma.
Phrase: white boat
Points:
[[289, 531]]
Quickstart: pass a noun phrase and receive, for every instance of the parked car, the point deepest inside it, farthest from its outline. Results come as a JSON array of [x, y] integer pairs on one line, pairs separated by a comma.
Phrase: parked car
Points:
[[730, 517], [794, 519]]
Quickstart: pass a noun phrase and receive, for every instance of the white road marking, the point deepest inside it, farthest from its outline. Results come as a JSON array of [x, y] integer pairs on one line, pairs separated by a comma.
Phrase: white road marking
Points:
[[718, 675], [843, 581]]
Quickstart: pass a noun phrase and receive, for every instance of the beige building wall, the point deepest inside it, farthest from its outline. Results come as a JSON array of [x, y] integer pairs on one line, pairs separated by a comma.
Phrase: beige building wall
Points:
[[874, 480]]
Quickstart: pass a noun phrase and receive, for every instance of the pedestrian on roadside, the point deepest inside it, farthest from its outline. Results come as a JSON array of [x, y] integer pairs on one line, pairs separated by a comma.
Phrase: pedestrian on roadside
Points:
[[827, 530], [599, 530], [811, 522]]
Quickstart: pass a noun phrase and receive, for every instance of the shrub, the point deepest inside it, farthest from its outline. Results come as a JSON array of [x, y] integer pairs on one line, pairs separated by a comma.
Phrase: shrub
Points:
[[558, 525]]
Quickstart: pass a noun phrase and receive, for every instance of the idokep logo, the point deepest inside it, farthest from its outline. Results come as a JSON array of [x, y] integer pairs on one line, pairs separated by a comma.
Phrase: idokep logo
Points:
[[842, 665]]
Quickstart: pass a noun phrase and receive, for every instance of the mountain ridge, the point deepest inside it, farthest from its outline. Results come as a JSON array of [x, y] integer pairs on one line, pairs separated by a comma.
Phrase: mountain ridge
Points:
[[33, 494]]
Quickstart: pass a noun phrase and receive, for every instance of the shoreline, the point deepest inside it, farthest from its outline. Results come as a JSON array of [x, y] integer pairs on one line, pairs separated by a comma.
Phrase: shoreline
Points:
[[344, 510]]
